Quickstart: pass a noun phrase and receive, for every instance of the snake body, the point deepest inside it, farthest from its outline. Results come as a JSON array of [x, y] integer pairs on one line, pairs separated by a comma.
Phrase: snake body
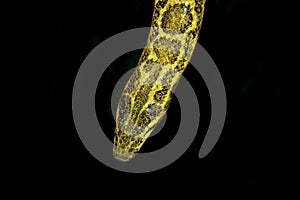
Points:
[[146, 97]]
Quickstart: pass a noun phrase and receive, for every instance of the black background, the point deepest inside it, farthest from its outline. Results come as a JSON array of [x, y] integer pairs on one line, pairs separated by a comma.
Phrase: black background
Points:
[[252, 43]]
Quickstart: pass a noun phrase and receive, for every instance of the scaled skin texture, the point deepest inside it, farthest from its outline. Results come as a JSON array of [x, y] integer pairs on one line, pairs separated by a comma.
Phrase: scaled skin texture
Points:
[[146, 97]]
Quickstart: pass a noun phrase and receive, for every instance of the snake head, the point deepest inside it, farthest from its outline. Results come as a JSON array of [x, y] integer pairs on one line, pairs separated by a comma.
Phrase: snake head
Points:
[[174, 32], [137, 116]]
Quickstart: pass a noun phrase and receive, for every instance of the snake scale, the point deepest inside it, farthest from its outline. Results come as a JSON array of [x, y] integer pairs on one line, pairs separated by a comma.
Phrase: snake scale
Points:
[[146, 97]]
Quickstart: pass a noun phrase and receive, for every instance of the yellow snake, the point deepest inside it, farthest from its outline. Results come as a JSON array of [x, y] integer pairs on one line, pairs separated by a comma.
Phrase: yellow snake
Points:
[[145, 99]]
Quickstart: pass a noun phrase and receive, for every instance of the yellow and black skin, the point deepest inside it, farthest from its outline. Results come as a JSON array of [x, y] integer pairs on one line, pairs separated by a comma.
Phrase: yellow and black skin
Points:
[[145, 99]]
